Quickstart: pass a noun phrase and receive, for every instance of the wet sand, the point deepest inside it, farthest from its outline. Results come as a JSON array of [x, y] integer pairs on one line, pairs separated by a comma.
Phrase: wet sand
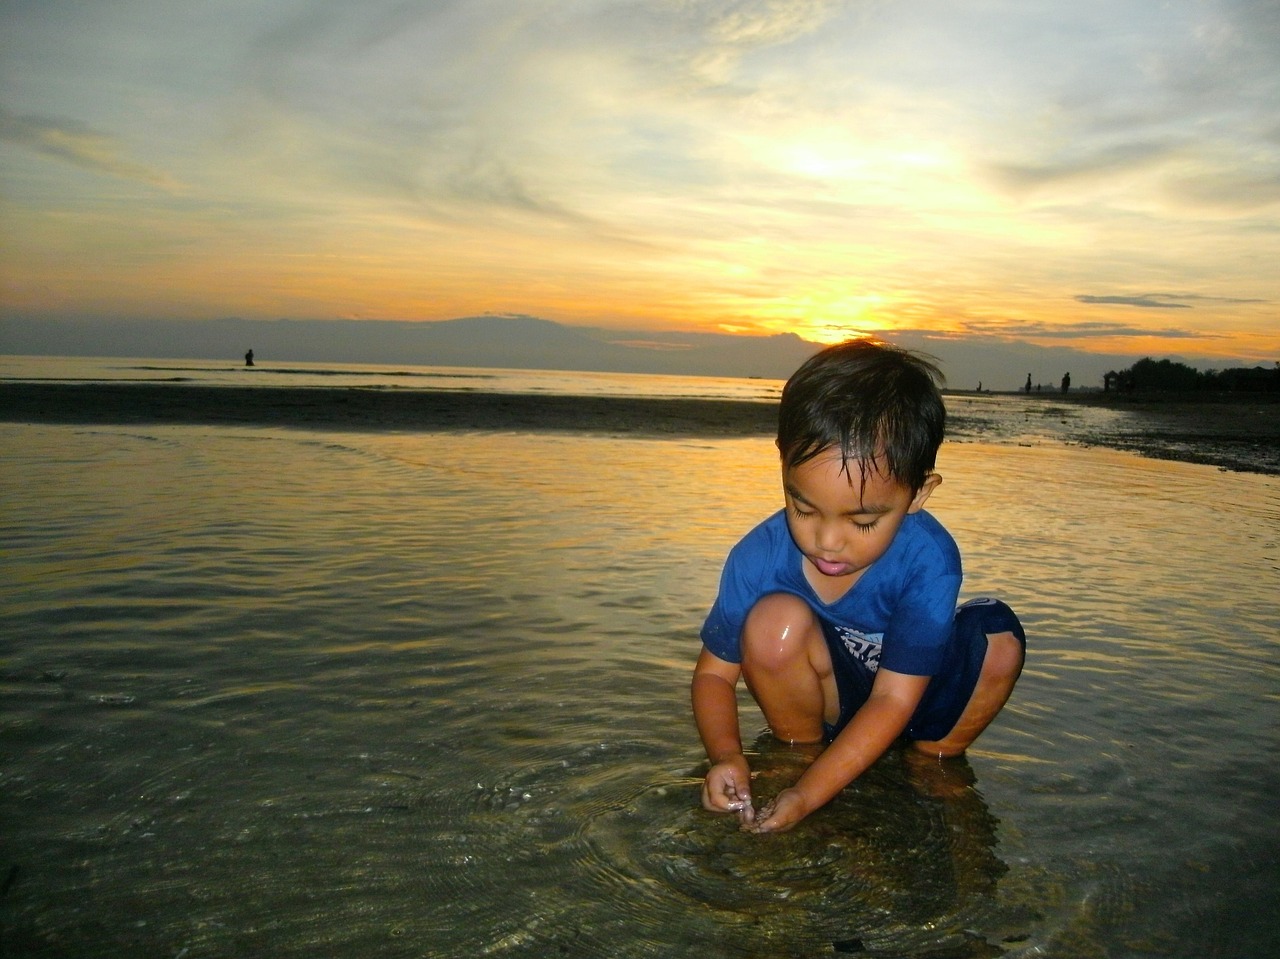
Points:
[[1230, 431], [1236, 431], [374, 409]]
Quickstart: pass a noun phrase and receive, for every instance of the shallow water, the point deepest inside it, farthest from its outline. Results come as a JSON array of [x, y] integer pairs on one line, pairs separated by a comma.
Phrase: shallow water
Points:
[[297, 694]]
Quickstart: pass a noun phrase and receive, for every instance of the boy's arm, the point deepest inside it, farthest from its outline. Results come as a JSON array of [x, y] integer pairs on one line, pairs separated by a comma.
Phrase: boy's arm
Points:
[[872, 730], [727, 787]]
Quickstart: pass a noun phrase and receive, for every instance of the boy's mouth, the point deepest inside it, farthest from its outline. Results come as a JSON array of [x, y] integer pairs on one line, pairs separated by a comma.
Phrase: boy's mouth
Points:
[[830, 568]]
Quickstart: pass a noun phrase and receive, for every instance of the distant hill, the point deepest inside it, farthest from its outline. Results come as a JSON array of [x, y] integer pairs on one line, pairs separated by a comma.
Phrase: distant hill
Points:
[[508, 342], [526, 342]]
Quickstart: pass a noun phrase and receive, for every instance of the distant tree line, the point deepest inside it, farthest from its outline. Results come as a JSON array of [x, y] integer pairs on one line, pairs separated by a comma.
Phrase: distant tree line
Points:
[[1148, 375]]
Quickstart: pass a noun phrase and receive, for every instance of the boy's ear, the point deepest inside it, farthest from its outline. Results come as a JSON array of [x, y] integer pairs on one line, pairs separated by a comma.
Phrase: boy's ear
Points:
[[931, 482]]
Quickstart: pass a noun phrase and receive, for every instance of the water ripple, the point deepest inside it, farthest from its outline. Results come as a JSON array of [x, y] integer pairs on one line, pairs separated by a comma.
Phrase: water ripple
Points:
[[392, 695]]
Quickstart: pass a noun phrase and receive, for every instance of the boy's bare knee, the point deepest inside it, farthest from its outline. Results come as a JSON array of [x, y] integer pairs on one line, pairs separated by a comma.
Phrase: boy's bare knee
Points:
[[780, 608], [1000, 670], [1004, 657], [777, 631]]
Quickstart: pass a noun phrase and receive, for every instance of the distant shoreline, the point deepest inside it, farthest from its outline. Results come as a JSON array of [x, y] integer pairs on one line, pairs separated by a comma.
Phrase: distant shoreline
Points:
[[1119, 400], [1231, 431]]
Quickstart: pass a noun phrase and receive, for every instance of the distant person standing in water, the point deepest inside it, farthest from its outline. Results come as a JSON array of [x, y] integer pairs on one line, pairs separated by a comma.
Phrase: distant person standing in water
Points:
[[1066, 382], [839, 611], [248, 358]]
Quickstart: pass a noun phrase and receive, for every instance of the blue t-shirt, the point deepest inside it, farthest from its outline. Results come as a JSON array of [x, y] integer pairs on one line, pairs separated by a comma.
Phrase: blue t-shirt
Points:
[[898, 614]]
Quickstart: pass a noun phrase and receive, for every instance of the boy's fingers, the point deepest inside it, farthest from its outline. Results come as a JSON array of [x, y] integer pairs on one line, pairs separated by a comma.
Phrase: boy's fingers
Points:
[[731, 788], [720, 796], [738, 801], [760, 822], [721, 792]]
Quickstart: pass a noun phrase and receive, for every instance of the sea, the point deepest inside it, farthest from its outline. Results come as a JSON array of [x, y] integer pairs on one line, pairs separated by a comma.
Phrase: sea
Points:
[[293, 692]]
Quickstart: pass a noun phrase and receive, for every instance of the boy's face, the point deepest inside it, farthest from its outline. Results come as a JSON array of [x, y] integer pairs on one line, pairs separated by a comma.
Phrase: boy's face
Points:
[[841, 524]]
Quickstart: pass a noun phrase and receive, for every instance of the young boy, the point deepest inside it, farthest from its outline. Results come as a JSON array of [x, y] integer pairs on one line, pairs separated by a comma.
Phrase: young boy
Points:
[[839, 610]]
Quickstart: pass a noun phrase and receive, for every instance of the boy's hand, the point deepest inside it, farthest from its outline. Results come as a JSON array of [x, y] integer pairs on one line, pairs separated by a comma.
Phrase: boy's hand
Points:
[[781, 813], [727, 788]]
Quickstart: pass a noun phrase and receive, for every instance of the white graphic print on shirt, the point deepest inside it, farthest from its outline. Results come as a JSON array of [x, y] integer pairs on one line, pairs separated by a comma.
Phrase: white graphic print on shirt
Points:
[[864, 647]]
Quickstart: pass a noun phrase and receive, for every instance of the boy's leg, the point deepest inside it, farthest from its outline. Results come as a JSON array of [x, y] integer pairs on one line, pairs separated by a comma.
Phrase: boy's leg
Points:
[[1001, 667], [787, 668]]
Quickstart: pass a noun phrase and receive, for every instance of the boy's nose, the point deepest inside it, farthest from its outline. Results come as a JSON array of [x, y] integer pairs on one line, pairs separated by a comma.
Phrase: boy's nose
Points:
[[829, 537]]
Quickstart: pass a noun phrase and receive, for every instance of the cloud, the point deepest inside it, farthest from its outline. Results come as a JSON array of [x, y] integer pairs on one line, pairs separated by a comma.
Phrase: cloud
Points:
[[1213, 299], [1083, 330], [78, 145], [759, 164], [539, 108], [1168, 301], [1084, 167], [752, 22], [1154, 301], [1230, 190]]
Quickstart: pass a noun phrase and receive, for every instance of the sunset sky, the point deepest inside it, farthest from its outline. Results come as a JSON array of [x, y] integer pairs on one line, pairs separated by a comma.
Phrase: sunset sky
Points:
[[1100, 174]]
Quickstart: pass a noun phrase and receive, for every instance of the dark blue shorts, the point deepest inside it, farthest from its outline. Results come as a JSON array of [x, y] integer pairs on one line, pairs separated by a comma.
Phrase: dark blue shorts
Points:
[[950, 689]]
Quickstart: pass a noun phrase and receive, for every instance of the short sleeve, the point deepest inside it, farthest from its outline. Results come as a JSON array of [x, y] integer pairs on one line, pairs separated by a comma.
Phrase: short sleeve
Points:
[[722, 629], [751, 570]]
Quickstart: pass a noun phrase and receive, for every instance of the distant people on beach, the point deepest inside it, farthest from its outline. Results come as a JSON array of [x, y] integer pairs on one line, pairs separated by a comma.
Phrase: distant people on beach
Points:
[[248, 358], [1066, 382], [1028, 386], [839, 610]]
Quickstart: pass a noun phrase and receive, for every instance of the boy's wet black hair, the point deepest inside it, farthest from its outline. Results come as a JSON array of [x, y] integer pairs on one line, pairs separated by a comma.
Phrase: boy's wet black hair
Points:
[[878, 404]]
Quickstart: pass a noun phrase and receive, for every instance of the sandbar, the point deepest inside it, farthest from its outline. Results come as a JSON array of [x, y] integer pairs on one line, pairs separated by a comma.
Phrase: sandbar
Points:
[[363, 409]]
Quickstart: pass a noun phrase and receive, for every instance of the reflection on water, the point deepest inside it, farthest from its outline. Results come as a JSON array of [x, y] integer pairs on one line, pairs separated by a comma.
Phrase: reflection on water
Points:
[[306, 694]]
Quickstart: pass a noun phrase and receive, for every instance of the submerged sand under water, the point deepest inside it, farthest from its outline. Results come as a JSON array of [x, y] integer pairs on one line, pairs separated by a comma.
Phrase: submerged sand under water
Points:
[[288, 693]]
